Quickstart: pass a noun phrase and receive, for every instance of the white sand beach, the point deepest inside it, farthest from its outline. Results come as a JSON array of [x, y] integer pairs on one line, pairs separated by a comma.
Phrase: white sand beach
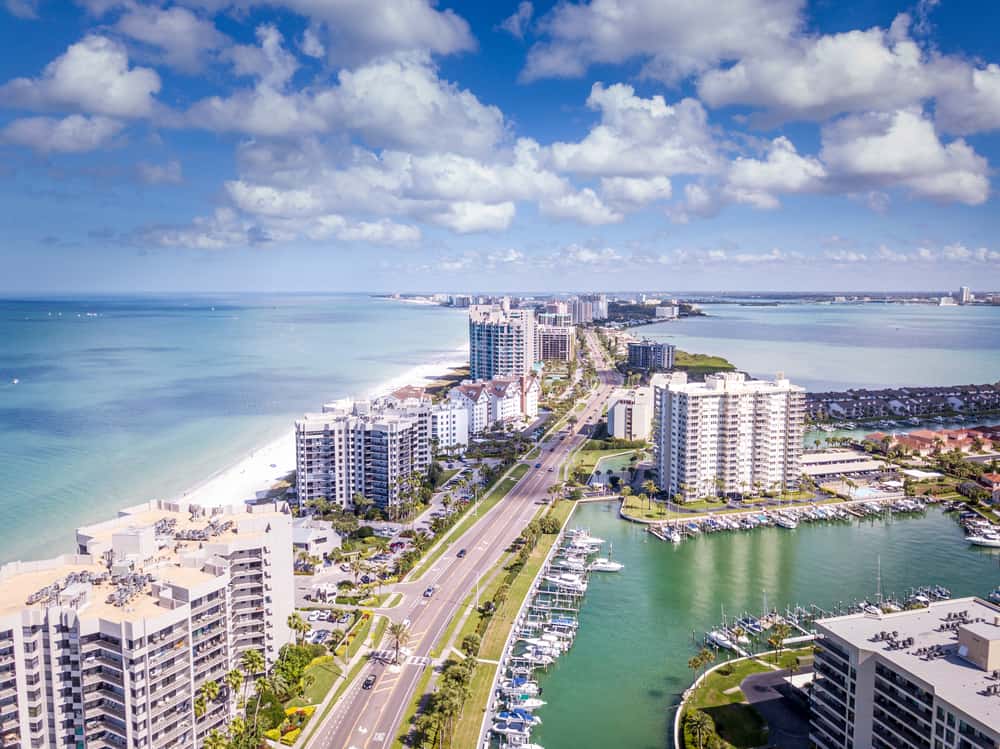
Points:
[[255, 474]]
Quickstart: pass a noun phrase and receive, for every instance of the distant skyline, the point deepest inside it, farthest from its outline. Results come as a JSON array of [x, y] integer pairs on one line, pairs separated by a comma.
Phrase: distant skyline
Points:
[[408, 145]]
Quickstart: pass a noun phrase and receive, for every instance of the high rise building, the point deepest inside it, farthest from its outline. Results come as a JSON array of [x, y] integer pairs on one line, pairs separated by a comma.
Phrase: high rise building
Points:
[[368, 447], [727, 435], [650, 355], [965, 295], [920, 679], [109, 646], [501, 341], [555, 342], [630, 413]]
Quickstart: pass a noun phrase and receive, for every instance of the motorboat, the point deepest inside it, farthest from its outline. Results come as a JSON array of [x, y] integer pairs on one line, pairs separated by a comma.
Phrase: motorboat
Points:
[[718, 637], [522, 686], [991, 541], [994, 595], [528, 703], [519, 714], [606, 565], [512, 728], [787, 521]]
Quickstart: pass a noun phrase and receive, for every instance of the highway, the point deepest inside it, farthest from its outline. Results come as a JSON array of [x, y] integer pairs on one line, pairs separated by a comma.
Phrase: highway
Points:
[[371, 719]]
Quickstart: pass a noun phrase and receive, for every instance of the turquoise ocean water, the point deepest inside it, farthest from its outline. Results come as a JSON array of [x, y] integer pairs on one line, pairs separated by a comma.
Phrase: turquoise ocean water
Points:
[[122, 400]]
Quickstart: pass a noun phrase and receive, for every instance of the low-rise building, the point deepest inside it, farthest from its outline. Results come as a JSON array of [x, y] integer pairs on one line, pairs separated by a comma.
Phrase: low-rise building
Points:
[[472, 396], [921, 679], [109, 646], [992, 482], [668, 311], [650, 355], [826, 463], [630, 413], [502, 400], [313, 536]]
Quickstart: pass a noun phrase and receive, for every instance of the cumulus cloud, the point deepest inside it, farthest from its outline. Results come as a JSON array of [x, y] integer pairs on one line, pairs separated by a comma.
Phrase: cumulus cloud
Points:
[[182, 38], [25, 9], [972, 103], [783, 170], [674, 37], [73, 134], [92, 75], [903, 149], [310, 43], [583, 206], [640, 137], [517, 23], [633, 193], [817, 76], [468, 216], [698, 202]]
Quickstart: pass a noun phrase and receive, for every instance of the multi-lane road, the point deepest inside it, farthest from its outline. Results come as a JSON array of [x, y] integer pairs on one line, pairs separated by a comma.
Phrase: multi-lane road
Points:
[[370, 719]]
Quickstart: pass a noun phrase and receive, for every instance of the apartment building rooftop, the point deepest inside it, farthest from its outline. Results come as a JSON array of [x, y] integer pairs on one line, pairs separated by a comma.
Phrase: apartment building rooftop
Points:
[[728, 382], [953, 646], [126, 566]]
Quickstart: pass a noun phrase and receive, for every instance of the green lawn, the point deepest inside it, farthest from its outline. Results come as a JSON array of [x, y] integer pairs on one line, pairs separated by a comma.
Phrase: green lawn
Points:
[[411, 710], [648, 510], [361, 632], [467, 729], [701, 364], [586, 460], [446, 475], [323, 675], [498, 492]]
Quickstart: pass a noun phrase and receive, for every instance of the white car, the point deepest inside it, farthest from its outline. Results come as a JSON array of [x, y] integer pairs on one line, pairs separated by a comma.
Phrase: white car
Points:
[[313, 616]]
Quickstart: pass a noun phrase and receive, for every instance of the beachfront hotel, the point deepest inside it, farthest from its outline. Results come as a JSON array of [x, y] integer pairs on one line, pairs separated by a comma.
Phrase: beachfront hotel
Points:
[[370, 447], [727, 435], [502, 400], [501, 341], [650, 355], [109, 646], [921, 679]]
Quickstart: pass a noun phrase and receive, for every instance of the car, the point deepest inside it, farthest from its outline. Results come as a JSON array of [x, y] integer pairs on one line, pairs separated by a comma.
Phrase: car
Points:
[[345, 568], [344, 619], [369, 682], [325, 616], [429, 592], [313, 616], [551, 469], [461, 554], [538, 465], [406, 624]]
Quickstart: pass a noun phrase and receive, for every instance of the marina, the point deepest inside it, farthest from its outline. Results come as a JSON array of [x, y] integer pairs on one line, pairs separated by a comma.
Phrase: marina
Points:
[[543, 632], [636, 631]]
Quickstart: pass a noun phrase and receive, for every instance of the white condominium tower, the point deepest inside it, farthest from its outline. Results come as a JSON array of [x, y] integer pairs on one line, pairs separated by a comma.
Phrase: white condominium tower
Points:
[[501, 341], [109, 647], [727, 435], [370, 447]]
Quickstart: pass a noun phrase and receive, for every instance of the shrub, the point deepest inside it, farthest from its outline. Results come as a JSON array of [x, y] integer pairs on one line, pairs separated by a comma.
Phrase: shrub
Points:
[[273, 734], [289, 738]]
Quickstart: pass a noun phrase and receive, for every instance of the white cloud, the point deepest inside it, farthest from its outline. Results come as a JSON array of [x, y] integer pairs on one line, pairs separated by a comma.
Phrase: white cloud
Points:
[[223, 229], [575, 254], [632, 193], [846, 256], [972, 104], [359, 30], [903, 149], [310, 44], [698, 202], [92, 75], [583, 206], [169, 173], [640, 137], [814, 77], [73, 134], [675, 37], [782, 171], [183, 38], [268, 61], [466, 216], [517, 24]]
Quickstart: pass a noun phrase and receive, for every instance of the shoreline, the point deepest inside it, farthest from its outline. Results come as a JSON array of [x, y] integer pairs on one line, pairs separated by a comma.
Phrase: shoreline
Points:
[[252, 476]]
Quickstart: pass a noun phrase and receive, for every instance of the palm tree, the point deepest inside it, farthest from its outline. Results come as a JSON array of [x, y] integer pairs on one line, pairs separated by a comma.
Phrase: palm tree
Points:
[[777, 638], [649, 486], [357, 567], [233, 680], [251, 663], [400, 635], [210, 689], [700, 725], [298, 626], [200, 706]]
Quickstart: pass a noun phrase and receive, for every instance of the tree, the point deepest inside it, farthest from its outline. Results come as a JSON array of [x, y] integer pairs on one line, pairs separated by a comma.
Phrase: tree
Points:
[[298, 626], [233, 680], [200, 706], [700, 725], [470, 644], [215, 740], [649, 486], [357, 567], [251, 664], [362, 503], [400, 635], [779, 632], [211, 690]]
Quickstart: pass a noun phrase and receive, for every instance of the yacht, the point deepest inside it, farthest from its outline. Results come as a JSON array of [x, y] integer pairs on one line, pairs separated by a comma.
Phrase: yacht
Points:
[[512, 728], [529, 703], [520, 686], [994, 595], [991, 540], [602, 564], [787, 521], [719, 638], [518, 714]]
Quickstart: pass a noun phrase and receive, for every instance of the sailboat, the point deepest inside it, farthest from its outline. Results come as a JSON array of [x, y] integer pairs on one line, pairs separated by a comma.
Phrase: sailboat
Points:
[[602, 564]]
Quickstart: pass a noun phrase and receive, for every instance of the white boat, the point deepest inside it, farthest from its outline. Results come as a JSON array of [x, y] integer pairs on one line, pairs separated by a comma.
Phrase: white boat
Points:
[[529, 703], [719, 638], [606, 565], [990, 541], [787, 521], [994, 595]]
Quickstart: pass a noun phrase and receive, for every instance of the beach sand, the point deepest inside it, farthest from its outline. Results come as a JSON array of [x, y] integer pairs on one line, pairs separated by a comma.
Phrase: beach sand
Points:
[[254, 475]]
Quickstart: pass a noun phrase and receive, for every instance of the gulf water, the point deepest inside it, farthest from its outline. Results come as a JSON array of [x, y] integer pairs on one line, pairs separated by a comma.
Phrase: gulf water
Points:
[[120, 400]]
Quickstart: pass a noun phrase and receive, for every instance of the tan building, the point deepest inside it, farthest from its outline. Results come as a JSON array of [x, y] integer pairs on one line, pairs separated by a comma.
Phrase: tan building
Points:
[[921, 679], [109, 646], [555, 342]]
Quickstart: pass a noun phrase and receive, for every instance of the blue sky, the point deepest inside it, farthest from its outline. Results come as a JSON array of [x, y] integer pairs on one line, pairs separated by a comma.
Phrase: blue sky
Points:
[[406, 145]]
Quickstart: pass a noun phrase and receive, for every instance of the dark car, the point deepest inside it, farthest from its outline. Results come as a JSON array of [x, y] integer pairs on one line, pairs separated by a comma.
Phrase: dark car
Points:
[[429, 592], [538, 465], [369, 682], [461, 554]]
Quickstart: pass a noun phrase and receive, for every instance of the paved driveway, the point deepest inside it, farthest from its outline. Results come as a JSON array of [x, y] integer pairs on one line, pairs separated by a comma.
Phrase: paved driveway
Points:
[[786, 715]]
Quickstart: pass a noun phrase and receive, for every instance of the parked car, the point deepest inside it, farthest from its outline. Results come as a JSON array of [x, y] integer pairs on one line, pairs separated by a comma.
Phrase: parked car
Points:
[[313, 616], [461, 554], [344, 619], [369, 682]]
